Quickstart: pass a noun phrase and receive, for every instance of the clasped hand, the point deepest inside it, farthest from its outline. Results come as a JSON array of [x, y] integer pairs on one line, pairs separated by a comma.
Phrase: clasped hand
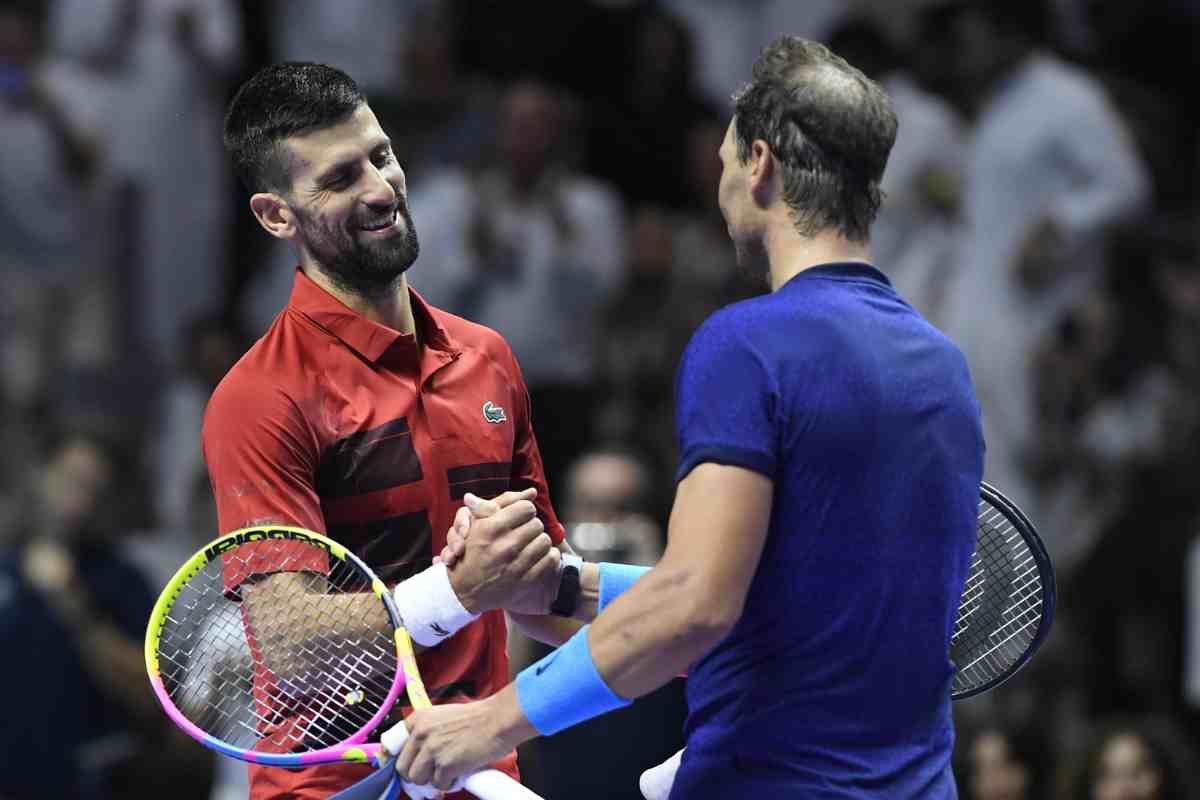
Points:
[[504, 557]]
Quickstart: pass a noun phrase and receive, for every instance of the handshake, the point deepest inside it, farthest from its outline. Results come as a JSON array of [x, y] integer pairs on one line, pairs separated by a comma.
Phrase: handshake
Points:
[[498, 556]]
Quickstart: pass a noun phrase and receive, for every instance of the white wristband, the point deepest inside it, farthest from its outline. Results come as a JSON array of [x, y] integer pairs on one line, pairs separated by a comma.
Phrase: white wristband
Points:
[[429, 608]]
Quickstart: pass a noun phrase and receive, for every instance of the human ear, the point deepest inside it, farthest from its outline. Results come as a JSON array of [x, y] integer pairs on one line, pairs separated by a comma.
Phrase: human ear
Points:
[[274, 214], [762, 172]]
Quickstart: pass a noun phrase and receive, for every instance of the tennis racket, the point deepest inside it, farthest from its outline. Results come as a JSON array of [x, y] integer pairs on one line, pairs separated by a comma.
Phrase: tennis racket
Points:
[[1007, 605], [277, 646]]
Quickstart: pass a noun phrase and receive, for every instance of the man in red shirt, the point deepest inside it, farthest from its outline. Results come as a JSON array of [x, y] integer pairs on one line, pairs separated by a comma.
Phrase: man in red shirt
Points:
[[369, 415]]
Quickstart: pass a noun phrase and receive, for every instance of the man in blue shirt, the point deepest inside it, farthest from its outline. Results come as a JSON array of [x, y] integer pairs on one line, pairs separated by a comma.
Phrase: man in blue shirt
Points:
[[824, 518]]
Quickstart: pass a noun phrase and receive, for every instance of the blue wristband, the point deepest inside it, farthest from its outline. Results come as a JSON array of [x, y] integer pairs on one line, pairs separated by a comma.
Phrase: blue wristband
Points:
[[615, 579], [564, 688]]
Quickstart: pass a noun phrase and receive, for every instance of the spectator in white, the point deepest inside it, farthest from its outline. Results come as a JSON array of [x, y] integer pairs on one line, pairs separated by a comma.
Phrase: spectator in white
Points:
[[917, 231], [1049, 166], [363, 38], [533, 249], [170, 62], [729, 33], [56, 304]]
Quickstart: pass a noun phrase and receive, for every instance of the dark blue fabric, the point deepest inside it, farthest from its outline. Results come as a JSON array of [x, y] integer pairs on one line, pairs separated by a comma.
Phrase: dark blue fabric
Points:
[[835, 683], [371, 787], [53, 708]]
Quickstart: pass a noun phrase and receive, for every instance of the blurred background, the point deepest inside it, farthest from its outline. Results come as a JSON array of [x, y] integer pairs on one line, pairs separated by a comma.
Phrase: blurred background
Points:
[[561, 157]]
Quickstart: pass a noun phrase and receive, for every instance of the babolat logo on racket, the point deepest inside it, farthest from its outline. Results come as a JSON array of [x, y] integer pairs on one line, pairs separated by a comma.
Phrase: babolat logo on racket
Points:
[[260, 535]]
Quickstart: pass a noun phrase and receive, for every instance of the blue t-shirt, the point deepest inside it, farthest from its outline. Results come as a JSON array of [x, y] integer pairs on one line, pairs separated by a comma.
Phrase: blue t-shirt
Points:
[[835, 683]]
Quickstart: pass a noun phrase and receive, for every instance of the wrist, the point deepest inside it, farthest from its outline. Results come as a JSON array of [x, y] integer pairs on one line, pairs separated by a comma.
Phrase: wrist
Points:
[[566, 600], [512, 727], [564, 688], [430, 609], [465, 594]]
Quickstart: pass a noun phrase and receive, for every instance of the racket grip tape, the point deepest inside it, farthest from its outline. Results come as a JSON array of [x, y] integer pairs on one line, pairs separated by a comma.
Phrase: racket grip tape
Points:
[[488, 784]]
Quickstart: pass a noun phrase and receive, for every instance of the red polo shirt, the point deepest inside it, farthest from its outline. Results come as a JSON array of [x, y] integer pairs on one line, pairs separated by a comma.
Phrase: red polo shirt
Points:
[[341, 425]]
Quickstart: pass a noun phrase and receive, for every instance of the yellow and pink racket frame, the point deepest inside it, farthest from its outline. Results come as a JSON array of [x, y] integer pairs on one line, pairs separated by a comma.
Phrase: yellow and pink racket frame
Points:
[[356, 748]]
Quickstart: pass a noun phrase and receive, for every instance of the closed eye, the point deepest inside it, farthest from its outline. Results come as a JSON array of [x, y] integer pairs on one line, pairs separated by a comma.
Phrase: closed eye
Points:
[[338, 180]]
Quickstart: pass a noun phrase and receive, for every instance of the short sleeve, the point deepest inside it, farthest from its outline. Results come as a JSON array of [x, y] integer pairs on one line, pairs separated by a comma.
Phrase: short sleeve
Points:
[[262, 464], [727, 401]]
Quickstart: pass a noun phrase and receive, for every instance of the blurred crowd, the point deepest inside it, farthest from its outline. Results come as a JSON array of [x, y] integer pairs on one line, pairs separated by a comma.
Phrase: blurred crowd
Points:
[[1041, 208]]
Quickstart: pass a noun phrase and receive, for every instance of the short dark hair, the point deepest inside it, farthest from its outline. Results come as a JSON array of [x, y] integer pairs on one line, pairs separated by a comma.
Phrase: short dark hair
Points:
[[283, 100], [831, 129]]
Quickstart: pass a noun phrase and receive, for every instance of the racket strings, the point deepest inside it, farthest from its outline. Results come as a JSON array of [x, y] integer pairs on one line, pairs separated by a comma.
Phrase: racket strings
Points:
[[293, 665], [1000, 613]]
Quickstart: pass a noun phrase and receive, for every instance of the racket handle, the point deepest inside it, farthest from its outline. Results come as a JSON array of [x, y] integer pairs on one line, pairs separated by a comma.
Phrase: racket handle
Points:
[[492, 784], [393, 738], [488, 784]]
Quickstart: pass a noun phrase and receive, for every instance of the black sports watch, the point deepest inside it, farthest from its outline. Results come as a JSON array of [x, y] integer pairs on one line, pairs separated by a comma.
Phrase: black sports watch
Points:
[[567, 599]]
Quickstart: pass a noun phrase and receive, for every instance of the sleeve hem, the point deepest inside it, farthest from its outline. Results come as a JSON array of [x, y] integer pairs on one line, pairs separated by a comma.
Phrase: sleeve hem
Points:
[[726, 455]]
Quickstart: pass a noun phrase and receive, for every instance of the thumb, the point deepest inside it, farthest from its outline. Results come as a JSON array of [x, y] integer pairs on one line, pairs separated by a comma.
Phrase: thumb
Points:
[[479, 508]]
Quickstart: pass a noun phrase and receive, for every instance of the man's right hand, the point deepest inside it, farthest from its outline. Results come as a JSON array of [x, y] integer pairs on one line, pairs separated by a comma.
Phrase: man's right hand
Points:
[[507, 559]]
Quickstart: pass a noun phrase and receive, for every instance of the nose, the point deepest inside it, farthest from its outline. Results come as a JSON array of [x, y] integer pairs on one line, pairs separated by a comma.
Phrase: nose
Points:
[[383, 187]]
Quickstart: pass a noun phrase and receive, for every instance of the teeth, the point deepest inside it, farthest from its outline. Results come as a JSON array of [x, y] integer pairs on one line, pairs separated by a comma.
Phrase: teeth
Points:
[[375, 226]]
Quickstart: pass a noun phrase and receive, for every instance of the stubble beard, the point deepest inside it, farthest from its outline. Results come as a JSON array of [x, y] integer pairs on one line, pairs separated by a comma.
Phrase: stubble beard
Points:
[[370, 270]]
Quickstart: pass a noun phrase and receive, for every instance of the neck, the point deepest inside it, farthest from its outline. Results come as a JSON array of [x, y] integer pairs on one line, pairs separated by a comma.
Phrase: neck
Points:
[[788, 253], [391, 307]]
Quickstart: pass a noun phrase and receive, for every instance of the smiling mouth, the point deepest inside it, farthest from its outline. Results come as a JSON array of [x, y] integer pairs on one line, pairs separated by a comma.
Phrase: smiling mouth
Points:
[[383, 224]]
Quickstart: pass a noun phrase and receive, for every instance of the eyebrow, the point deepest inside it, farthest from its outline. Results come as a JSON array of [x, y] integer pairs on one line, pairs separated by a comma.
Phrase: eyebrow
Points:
[[340, 168]]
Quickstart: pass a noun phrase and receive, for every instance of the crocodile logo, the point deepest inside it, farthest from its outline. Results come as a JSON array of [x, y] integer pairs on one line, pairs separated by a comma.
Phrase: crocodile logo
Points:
[[493, 413]]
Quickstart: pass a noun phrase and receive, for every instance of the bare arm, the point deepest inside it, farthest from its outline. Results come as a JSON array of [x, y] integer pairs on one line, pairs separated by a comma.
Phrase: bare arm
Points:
[[290, 615], [694, 597], [673, 615], [552, 630]]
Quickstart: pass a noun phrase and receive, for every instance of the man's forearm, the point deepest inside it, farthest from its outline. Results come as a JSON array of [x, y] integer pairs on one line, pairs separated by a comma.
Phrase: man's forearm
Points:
[[595, 582], [644, 638], [545, 628], [657, 629]]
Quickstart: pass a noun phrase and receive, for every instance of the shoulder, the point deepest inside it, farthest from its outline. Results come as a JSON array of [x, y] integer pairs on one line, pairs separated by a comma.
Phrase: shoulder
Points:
[[766, 321], [736, 337], [265, 381]]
